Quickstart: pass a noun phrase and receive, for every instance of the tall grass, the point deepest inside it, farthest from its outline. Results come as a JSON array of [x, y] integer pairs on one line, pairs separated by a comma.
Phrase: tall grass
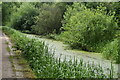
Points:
[[112, 50], [45, 65]]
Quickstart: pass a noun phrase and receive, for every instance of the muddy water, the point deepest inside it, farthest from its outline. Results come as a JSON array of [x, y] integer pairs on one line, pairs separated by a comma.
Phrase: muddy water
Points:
[[60, 51]]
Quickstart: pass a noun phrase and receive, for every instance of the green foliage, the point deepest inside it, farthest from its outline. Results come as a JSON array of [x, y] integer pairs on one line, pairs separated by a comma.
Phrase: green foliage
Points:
[[0, 13], [23, 18], [49, 19], [112, 50], [88, 26], [85, 28], [0, 28], [8, 8], [110, 7], [46, 66]]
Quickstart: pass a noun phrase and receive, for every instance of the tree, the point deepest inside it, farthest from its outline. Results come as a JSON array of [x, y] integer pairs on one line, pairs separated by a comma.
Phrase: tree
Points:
[[8, 8], [110, 7], [23, 18], [49, 19], [86, 28]]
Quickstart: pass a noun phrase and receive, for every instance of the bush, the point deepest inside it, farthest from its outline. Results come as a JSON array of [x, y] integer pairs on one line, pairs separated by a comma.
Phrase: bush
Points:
[[85, 28], [49, 19], [112, 50], [23, 18]]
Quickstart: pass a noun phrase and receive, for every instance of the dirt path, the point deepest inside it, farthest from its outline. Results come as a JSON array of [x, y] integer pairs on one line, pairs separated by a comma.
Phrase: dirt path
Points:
[[0, 55], [7, 66], [59, 49], [7, 71], [12, 65]]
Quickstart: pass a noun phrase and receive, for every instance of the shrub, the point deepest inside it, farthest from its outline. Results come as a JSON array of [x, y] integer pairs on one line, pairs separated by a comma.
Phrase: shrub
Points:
[[23, 18], [85, 28], [112, 50]]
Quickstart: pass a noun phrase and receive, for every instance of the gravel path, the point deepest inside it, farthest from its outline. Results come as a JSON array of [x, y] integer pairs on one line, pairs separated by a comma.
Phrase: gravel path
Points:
[[59, 49]]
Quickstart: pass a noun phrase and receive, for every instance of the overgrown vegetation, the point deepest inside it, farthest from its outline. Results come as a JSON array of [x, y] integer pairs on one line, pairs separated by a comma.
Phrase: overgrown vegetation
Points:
[[46, 66], [112, 50], [88, 26], [28, 73]]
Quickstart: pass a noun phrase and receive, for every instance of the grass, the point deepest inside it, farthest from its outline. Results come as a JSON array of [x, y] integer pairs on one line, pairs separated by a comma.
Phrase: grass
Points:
[[111, 50], [11, 60], [6, 42], [44, 65], [22, 62], [8, 49], [28, 73]]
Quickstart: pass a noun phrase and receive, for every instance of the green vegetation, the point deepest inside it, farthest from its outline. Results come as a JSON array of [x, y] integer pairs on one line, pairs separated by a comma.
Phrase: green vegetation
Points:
[[8, 49], [28, 73], [23, 19], [8, 8], [93, 27], [0, 13], [86, 29], [110, 7], [49, 19], [112, 50], [46, 66], [86, 26]]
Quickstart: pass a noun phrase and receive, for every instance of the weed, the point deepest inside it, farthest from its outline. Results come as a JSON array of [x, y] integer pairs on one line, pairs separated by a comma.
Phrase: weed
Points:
[[8, 49], [6, 42]]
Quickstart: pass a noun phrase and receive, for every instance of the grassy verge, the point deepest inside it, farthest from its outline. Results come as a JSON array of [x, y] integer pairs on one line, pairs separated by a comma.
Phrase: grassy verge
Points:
[[26, 70], [45, 65], [18, 59]]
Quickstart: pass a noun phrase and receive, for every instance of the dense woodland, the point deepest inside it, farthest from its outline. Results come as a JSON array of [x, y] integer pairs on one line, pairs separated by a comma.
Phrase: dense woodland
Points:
[[89, 26]]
